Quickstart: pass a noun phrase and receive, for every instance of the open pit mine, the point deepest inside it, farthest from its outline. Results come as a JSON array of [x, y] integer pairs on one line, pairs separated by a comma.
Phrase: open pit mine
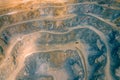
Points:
[[59, 39]]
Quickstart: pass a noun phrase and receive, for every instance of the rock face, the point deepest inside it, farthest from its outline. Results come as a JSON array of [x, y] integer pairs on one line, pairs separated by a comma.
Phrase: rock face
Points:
[[60, 40]]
